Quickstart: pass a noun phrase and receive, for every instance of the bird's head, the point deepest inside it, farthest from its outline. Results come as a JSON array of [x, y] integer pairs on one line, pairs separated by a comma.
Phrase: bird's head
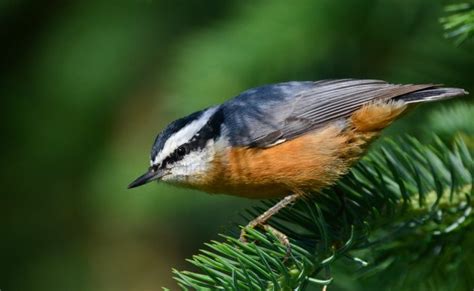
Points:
[[184, 150]]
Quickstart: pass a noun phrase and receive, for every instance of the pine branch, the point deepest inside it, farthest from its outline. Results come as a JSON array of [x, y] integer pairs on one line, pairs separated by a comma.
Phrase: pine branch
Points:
[[459, 23], [398, 195]]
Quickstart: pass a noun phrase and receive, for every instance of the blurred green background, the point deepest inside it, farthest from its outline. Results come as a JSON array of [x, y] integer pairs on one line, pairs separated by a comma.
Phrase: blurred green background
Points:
[[86, 86]]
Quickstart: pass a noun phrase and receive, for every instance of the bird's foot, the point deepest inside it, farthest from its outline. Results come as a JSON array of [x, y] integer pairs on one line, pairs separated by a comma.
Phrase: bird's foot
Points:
[[261, 221], [282, 238]]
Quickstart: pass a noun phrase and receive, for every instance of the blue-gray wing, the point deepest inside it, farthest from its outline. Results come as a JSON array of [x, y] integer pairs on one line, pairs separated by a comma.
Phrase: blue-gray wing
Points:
[[271, 114]]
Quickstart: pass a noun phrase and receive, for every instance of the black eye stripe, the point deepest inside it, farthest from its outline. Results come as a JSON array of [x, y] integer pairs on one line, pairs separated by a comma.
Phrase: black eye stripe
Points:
[[182, 150], [177, 155], [210, 131], [172, 128]]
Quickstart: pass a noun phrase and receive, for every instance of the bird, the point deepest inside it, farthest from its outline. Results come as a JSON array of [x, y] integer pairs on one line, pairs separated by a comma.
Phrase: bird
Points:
[[286, 140]]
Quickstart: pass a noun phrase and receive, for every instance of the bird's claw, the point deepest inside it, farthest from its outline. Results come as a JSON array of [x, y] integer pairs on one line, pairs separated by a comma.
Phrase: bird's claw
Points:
[[282, 238]]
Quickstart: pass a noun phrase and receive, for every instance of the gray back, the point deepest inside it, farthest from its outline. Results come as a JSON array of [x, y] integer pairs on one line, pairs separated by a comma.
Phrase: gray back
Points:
[[265, 115]]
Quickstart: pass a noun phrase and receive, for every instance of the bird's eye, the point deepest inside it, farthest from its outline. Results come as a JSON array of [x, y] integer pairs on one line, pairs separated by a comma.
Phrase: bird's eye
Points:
[[181, 151]]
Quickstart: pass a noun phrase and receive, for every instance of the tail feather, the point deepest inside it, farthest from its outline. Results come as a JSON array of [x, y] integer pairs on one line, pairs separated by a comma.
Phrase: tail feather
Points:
[[431, 94]]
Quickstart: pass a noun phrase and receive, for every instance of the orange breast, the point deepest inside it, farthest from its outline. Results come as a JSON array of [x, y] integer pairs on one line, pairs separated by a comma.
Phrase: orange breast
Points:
[[310, 162]]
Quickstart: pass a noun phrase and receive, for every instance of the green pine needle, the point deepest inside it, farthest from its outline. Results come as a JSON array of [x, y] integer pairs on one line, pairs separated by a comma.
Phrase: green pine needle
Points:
[[398, 194], [459, 23]]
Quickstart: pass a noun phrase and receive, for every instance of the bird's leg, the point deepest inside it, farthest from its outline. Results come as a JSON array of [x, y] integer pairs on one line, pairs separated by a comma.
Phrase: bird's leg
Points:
[[261, 220]]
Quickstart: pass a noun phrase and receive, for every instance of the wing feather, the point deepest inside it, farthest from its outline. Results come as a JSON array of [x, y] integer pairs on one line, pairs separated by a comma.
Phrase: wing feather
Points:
[[262, 116]]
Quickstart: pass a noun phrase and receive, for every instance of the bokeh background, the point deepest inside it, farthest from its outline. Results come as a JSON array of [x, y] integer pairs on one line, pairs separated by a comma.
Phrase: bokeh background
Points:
[[86, 85]]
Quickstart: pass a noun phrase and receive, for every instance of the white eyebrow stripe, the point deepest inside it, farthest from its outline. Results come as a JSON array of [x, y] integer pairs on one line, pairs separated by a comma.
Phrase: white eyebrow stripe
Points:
[[183, 135]]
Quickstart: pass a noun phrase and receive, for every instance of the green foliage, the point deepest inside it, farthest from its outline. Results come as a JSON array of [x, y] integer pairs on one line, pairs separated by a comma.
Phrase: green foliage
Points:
[[86, 85], [457, 118], [459, 24], [402, 203]]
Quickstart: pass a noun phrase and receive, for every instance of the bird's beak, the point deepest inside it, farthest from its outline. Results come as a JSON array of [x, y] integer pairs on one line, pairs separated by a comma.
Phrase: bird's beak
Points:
[[146, 178]]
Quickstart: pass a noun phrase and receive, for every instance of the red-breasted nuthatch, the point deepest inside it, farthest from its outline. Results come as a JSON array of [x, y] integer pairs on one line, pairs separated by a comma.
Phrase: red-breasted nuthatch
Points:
[[280, 140]]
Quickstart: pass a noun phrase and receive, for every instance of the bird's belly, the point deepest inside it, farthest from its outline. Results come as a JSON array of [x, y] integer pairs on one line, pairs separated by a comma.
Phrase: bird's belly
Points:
[[307, 163]]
